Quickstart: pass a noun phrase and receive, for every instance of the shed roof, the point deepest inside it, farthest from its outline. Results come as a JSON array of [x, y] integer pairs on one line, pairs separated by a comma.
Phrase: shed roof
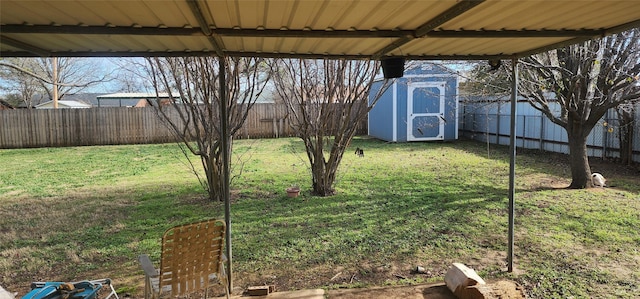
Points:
[[415, 29]]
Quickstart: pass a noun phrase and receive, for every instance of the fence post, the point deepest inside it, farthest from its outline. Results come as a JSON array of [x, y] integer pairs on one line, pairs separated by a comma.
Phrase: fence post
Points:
[[524, 130], [498, 124], [541, 144], [603, 129]]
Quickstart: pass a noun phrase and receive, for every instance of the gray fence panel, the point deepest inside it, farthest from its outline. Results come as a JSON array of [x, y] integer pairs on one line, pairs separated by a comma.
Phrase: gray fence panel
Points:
[[490, 122]]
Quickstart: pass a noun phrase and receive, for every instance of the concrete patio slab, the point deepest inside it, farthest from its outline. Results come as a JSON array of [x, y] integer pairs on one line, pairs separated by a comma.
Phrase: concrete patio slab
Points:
[[301, 294]]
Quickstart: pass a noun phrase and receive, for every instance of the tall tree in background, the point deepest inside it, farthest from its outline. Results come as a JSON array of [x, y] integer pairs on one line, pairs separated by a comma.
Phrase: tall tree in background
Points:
[[20, 84], [484, 80], [193, 110], [56, 77], [574, 87], [131, 75], [69, 75], [326, 100], [625, 131]]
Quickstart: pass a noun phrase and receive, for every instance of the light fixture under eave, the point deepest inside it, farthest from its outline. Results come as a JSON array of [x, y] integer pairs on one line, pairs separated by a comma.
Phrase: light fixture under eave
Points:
[[393, 67], [494, 64]]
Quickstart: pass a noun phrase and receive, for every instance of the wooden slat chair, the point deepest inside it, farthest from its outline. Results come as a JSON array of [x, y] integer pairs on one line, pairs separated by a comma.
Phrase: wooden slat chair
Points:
[[192, 255]]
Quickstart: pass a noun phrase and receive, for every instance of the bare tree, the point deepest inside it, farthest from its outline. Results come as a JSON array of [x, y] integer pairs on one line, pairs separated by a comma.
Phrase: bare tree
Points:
[[326, 100], [69, 75], [193, 109], [56, 76], [129, 83], [574, 87], [20, 83], [130, 75], [484, 80]]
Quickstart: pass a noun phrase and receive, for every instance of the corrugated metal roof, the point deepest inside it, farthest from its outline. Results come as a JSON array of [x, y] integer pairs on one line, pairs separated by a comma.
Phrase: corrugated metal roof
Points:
[[416, 29], [132, 95]]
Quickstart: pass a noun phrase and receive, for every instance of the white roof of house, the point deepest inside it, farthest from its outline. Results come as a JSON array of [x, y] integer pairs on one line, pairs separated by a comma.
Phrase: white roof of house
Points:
[[64, 104]]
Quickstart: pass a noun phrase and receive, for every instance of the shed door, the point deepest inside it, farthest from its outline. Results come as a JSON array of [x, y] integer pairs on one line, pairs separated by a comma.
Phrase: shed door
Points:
[[425, 111]]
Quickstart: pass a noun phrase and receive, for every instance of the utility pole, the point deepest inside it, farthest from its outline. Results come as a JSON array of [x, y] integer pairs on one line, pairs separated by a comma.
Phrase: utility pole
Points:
[[55, 82]]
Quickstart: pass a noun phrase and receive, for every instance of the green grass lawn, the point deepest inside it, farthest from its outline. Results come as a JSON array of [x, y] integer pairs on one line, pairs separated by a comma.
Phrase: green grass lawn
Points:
[[88, 212]]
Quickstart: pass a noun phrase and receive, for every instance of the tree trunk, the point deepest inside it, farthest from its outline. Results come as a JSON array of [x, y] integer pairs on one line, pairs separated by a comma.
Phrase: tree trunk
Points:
[[628, 148], [322, 176], [214, 182], [580, 170], [625, 135], [625, 144], [321, 185]]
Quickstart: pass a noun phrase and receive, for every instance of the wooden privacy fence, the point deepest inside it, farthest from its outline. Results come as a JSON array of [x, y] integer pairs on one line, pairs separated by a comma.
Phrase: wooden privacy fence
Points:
[[23, 128], [73, 127]]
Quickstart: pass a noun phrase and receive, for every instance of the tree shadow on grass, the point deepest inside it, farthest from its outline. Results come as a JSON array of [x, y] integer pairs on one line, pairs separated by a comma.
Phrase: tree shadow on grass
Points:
[[98, 232], [352, 230]]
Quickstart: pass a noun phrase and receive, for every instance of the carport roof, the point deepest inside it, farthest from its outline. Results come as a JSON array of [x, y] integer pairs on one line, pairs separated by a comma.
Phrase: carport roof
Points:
[[415, 29]]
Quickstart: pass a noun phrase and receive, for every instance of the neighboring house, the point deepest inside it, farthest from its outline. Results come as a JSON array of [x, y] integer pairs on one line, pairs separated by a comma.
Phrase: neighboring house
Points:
[[143, 103], [35, 100], [63, 105], [4, 105], [103, 100], [39, 99], [135, 99]]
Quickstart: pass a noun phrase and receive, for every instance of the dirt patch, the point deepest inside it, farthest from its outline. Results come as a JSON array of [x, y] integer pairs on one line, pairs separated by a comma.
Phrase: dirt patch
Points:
[[502, 290], [337, 277], [549, 183]]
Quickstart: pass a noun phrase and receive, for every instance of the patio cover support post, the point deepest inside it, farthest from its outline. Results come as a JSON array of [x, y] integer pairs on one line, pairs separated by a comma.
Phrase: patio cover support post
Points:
[[224, 143], [512, 160]]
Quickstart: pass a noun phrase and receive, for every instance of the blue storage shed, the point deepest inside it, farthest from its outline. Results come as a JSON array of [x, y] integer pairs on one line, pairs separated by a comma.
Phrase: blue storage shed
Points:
[[421, 106]]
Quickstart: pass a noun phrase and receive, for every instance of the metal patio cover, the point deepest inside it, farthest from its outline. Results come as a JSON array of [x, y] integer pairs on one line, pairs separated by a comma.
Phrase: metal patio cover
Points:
[[414, 29]]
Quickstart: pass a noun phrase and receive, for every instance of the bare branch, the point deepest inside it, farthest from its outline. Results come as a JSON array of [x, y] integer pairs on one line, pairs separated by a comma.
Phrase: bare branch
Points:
[[188, 99], [326, 100]]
